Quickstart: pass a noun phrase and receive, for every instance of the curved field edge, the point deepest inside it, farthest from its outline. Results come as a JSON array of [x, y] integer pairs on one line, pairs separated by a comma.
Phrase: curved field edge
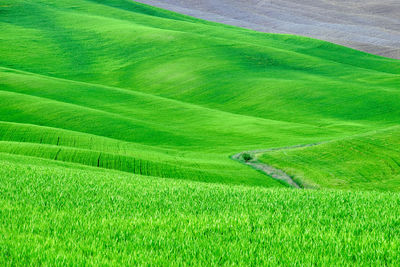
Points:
[[335, 21], [75, 147]]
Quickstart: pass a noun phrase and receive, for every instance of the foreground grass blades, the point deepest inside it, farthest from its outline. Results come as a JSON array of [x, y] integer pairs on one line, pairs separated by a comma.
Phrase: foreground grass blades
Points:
[[68, 214], [118, 122]]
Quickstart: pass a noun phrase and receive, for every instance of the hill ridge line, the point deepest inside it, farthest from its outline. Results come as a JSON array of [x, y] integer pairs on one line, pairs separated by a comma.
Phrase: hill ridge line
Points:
[[134, 92]]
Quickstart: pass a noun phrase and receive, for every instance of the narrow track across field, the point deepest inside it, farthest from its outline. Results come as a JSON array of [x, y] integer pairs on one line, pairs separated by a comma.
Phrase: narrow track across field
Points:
[[267, 169]]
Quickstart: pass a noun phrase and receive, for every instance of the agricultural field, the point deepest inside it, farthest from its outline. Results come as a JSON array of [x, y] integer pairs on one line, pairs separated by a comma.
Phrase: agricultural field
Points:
[[368, 25], [119, 123], [63, 214], [369, 161]]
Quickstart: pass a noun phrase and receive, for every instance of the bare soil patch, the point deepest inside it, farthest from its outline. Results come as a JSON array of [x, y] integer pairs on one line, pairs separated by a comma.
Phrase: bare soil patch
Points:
[[371, 25]]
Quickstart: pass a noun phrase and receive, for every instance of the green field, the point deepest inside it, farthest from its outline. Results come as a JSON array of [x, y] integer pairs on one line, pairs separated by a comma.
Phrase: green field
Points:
[[369, 161], [118, 120], [59, 213]]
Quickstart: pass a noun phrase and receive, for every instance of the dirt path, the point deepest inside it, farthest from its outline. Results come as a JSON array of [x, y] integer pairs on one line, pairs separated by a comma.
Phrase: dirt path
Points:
[[267, 169]]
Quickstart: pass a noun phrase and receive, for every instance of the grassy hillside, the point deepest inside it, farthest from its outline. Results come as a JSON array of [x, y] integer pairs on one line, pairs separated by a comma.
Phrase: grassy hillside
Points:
[[64, 214], [118, 120], [369, 161], [114, 83]]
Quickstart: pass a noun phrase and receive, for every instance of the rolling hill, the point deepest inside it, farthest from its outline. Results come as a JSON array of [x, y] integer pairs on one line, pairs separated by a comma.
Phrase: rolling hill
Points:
[[174, 91], [119, 119]]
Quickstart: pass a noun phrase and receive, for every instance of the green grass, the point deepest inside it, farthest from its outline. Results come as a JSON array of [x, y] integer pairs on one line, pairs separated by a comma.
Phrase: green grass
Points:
[[175, 91], [64, 214], [118, 120], [369, 161]]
